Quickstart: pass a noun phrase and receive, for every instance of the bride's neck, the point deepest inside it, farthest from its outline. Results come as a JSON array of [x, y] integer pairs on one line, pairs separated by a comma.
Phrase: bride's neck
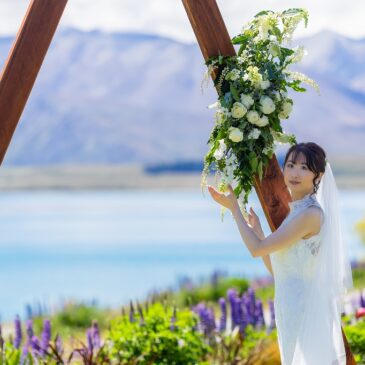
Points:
[[298, 196]]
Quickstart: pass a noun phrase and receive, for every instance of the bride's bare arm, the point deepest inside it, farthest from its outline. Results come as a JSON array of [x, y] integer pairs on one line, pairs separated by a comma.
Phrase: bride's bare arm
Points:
[[305, 223]]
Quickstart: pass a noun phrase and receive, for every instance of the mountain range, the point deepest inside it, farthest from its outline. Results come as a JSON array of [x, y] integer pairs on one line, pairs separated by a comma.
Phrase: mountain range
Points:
[[130, 98]]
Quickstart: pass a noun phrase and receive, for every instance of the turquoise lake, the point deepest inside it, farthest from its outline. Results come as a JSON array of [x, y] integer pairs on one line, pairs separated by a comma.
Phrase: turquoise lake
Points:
[[113, 246]]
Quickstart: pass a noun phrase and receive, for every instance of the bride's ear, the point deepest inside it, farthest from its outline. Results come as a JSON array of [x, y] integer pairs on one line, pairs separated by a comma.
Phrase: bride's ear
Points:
[[319, 178]]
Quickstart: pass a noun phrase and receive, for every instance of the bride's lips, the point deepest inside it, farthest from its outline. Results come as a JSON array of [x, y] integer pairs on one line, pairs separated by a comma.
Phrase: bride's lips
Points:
[[294, 182]]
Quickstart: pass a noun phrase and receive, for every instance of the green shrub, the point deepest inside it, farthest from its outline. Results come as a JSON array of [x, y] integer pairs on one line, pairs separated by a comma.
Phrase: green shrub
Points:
[[154, 342], [355, 335], [211, 292]]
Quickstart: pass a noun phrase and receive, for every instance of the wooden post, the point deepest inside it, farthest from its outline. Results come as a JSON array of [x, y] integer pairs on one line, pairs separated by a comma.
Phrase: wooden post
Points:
[[213, 39], [24, 62]]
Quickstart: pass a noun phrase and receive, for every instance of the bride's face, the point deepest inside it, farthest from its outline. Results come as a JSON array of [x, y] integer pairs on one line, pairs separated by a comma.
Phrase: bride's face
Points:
[[297, 176]]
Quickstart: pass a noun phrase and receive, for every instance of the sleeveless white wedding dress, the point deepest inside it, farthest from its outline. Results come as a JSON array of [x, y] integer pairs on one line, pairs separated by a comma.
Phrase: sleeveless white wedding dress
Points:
[[293, 269]]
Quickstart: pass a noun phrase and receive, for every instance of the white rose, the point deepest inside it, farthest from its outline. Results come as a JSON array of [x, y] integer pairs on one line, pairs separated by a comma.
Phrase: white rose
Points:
[[287, 107], [253, 116], [285, 110], [264, 84], [235, 135], [247, 100], [263, 121], [267, 105], [238, 110], [219, 152], [254, 134]]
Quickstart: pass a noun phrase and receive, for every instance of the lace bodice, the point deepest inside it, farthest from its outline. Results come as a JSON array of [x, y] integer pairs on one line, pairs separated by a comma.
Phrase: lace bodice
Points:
[[299, 258], [293, 269]]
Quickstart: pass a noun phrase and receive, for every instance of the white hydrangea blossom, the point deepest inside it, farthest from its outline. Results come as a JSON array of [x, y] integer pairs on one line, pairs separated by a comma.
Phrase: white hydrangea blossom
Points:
[[233, 74], [220, 151], [254, 134], [247, 100], [265, 84], [253, 74], [227, 176]]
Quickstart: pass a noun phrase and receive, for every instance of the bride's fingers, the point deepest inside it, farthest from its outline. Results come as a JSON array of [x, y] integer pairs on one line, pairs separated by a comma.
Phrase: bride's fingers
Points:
[[252, 211], [230, 189]]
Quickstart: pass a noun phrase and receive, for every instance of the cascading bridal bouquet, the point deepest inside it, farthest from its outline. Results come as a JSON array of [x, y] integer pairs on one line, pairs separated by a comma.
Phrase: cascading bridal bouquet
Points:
[[252, 100]]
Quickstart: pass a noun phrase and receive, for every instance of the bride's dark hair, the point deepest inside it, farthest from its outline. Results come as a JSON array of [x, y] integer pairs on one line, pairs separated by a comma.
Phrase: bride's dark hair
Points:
[[315, 158]]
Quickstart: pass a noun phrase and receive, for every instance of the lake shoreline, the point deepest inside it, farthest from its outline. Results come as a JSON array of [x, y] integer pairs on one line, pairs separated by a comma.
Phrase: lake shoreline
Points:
[[123, 177]]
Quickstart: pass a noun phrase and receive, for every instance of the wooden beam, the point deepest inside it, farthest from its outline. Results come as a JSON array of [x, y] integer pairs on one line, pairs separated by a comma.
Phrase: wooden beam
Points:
[[213, 39], [24, 62]]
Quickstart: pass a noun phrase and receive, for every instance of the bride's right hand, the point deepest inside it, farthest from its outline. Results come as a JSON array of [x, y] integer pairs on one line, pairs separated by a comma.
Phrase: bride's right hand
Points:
[[229, 201], [255, 224]]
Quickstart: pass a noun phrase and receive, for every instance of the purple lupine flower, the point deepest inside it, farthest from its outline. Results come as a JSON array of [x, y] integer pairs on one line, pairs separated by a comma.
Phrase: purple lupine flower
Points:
[[362, 301], [58, 344], [251, 304], [18, 332], [25, 352], [131, 313], [272, 314], [173, 320], [232, 295], [223, 318], [241, 320], [207, 320], [1, 340], [46, 336], [96, 335], [35, 345], [259, 314], [140, 311], [29, 330], [89, 340]]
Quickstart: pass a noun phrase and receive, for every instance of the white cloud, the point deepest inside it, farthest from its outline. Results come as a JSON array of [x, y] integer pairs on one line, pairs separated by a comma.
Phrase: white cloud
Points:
[[168, 17]]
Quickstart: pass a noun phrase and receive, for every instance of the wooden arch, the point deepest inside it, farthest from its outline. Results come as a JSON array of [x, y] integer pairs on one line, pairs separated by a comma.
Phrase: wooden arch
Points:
[[31, 45], [213, 38]]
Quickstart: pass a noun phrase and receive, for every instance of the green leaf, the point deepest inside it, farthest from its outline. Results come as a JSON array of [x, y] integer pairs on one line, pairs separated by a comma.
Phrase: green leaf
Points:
[[240, 39], [263, 12], [234, 93], [253, 161]]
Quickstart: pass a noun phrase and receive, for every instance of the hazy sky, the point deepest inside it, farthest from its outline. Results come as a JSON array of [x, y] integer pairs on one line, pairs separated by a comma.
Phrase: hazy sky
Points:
[[168, 17]]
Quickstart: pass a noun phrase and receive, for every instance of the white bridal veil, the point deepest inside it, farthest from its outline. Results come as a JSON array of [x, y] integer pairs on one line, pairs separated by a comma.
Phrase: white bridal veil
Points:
[[320, 339]]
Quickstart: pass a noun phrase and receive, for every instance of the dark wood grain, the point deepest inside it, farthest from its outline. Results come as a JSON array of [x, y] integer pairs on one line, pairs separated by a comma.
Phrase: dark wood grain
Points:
[[213, 38], [24, 62]]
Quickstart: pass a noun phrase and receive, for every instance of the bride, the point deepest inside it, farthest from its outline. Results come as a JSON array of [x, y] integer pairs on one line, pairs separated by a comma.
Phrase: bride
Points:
[[307, 258]]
